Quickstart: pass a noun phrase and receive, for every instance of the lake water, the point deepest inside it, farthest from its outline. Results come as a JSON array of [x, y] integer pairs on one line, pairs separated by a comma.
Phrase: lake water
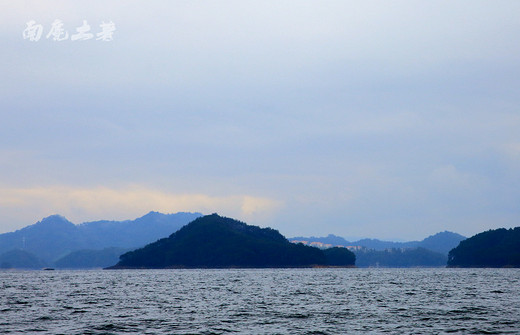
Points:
[[261, 301]]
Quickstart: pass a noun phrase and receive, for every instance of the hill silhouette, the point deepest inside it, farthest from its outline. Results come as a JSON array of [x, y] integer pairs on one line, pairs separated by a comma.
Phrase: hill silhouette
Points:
[[339, 257], [493, 248], [86, 259], [214, 241], [54, 237], [441, 242], [20, 259]]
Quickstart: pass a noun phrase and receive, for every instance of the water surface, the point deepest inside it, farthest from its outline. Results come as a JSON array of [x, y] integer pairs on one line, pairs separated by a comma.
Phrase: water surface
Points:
[[261, 301]]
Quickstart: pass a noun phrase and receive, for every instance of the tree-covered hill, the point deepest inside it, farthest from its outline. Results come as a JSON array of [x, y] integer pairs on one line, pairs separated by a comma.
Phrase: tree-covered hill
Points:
[[214, 241], [441, 242], [339, 257], [493, 248]]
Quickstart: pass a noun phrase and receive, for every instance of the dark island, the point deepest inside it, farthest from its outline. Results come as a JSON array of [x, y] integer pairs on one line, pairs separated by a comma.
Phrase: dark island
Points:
[[494, 248], [214, 241]]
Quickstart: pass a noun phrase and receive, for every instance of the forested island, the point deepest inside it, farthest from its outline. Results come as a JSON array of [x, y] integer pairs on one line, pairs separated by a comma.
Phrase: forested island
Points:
[[214, 241], [494, 248]]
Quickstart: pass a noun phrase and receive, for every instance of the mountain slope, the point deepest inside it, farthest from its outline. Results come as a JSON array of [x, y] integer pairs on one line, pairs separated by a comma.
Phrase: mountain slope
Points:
[[20, 259], [493, 248], [134, 233], [213, 241], [442, 242], [54, 236], [48, 238], [85, 259]]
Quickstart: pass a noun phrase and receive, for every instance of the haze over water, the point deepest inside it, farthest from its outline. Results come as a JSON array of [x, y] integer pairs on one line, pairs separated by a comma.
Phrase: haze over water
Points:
[[261, 301]]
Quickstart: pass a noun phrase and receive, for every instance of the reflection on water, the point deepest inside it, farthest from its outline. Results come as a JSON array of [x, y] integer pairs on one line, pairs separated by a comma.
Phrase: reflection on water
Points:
[[261, 301]]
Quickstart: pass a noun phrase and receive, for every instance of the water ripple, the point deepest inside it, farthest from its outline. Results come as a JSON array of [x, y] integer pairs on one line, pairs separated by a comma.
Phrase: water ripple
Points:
[[261, 301]]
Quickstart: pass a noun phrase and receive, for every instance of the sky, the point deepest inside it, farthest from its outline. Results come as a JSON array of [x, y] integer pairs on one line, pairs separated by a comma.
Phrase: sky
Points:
[[382, 119]]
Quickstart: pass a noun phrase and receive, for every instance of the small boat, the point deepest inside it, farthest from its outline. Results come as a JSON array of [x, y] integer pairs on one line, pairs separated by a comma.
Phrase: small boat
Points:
[[48, 269]]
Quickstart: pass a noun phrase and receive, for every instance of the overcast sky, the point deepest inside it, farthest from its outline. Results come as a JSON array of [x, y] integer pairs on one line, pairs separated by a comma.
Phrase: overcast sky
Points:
[[384, 119]]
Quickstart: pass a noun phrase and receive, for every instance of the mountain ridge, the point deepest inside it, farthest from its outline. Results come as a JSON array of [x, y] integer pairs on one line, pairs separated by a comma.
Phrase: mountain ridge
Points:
[[54, 236], [441, 242]]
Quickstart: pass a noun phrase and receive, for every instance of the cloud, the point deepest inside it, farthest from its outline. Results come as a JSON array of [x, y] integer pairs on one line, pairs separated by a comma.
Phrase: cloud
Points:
[[87, 204], [346, 116]]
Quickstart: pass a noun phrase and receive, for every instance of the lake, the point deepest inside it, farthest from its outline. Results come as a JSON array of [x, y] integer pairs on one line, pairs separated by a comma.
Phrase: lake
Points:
[[261, 301]]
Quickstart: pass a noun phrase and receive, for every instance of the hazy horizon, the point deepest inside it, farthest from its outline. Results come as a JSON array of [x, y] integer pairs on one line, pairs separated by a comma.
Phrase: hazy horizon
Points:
[[346, 237], [374, 119]]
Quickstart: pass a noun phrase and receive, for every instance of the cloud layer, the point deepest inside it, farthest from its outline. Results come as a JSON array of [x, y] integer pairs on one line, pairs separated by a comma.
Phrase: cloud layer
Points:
[[349, 117], [90, 204]]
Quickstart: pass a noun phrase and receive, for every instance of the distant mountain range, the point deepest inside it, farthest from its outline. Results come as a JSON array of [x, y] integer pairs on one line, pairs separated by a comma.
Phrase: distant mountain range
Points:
[[441, 242], [56, 242], [55, 237], [400, 258]]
